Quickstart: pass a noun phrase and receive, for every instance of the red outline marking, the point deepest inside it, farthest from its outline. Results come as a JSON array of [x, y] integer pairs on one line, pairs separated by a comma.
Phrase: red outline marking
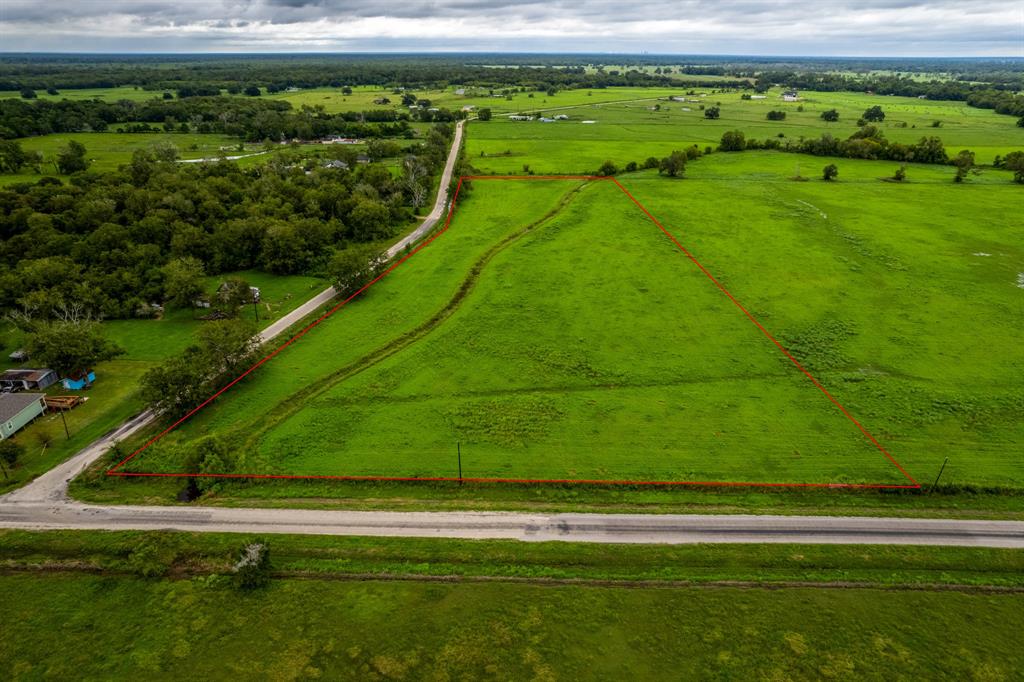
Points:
[[113, 471]]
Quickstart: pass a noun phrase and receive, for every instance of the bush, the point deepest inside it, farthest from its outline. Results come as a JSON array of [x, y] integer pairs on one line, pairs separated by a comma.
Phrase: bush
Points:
[[607, 168], [712, 112], [733, 141], [252, 570], [830, 172], [776, 115]]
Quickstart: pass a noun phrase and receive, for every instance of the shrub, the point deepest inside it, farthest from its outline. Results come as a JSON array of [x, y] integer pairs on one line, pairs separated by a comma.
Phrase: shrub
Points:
[[252, 570], [733, 141], [607, 168], [830, 172], [776, 115]]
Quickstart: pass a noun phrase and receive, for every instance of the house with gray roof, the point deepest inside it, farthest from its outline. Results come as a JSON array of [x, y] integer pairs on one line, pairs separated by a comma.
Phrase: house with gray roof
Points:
[[18, 410]]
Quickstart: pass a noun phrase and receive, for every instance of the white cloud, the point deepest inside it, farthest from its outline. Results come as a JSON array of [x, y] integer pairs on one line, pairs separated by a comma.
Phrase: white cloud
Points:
[[788, 27]]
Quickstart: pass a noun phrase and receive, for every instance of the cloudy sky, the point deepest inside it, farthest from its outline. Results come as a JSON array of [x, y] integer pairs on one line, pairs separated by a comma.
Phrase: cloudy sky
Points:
[[770, 27]]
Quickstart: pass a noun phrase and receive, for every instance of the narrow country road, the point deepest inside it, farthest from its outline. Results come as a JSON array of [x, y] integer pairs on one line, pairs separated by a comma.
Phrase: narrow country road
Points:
[[43, 504], [599, 528]]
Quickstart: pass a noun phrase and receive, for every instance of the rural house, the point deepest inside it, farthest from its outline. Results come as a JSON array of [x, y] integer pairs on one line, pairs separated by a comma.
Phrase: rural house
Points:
[[790, 96], [17, 410], [27, 379]]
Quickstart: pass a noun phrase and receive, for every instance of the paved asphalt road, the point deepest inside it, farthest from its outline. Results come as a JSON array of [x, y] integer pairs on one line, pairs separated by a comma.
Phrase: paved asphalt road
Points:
[[44, 504], [602, 528]]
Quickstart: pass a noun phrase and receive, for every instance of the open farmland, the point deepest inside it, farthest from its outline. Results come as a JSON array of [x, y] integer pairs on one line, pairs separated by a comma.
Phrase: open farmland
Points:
[[631, 131], [639, 367]]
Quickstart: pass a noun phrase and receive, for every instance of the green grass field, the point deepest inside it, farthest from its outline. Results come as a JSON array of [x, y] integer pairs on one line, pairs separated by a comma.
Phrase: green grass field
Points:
[[589, 347], [632, 132], [301, 629], [392, 608]]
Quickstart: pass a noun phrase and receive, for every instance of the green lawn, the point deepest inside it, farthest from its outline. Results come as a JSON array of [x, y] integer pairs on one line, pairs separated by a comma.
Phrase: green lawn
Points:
[[639, 368], [122, 627]]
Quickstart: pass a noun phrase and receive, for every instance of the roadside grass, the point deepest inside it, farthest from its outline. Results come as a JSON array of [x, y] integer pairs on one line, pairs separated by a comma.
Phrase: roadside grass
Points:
[[126, 627], [169, 553], [627, 132], [412, 608]]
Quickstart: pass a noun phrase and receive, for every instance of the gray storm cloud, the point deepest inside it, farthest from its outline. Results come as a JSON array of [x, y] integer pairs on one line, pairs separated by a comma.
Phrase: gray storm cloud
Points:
[[788, 27]]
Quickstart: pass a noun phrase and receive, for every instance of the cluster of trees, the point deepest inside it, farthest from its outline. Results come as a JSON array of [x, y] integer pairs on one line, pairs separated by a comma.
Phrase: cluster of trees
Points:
[[673, 165], [222, 351], [246, 118], [867, 143], [991, 90], [870, 143], [106, 240]]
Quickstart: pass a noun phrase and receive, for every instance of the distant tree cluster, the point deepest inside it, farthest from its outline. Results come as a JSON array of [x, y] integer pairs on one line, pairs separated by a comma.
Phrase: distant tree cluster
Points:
[[867, 143], [250, 118]]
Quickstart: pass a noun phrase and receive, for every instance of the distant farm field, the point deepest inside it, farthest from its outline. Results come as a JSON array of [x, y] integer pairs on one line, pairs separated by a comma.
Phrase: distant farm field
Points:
[[554, 332], [631, 131]]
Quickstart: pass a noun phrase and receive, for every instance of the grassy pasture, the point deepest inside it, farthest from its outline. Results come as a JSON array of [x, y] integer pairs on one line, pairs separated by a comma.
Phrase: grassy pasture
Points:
[[500, 609], [626, 132], [106, 94], [125, 627], [649, 372]]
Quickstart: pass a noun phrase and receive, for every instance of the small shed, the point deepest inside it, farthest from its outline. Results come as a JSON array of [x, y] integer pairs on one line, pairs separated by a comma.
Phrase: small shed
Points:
[[77, 382], [19, 409], [27, 379]]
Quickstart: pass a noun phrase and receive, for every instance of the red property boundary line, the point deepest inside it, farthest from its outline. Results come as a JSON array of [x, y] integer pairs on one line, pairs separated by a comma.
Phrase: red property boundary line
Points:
[[913, 485]]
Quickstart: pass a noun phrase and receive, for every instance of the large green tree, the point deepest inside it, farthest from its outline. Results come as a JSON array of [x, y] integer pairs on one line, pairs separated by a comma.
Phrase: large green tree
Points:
[[184, 282], [673, 165], [353, 268], [71, 158], [71, 344], [1014, 161]]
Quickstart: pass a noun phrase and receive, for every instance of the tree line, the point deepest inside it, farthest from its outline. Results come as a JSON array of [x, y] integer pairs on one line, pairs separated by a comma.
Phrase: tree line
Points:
[[248, 118]]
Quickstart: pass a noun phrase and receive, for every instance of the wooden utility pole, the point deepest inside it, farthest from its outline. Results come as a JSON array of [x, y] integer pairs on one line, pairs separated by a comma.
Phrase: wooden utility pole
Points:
[[458, 447], [64, 419], [941, 469]]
